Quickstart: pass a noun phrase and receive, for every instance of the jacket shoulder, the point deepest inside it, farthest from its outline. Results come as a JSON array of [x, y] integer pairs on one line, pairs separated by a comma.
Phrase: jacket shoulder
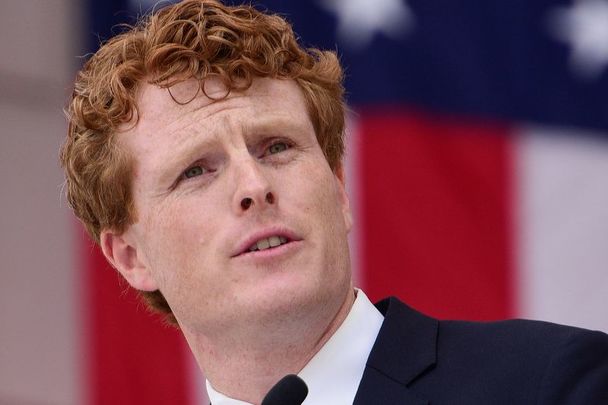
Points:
[[550, 363], [512, 361]]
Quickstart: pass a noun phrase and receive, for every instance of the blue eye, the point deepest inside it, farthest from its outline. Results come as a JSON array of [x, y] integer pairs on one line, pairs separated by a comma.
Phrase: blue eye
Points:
[[194, 171], [277, 148]]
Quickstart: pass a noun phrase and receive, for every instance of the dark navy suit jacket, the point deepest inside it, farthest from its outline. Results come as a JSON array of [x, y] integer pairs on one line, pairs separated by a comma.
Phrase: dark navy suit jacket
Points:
[[420, 360]]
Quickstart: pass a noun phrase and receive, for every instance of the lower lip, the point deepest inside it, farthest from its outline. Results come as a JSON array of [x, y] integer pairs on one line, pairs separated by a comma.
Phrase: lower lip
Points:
[[277, 252]]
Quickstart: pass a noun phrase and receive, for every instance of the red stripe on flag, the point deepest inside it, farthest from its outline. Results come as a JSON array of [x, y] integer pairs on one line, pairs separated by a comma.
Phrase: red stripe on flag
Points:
[[436, 211], [132, 357]]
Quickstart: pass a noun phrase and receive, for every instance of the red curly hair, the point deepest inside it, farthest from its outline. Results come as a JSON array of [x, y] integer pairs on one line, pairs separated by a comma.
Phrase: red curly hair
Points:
[[191, 39]]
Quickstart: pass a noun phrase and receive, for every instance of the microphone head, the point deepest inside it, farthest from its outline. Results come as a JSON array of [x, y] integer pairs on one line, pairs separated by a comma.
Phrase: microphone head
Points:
[[290, 390]]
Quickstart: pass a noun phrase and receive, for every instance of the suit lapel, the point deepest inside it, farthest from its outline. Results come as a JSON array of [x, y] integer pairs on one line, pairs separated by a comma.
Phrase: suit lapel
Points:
[[404, 349]]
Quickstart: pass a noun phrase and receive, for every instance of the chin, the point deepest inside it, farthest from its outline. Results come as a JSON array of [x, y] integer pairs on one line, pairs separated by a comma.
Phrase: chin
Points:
[[287, 299]]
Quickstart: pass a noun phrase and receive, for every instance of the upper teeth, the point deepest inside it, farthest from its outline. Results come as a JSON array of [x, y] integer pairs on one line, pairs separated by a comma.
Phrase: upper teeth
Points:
[[263, 244]]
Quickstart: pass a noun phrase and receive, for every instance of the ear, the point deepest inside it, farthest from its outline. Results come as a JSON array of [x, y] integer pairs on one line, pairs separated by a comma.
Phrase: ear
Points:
[[123, 255], [346, 212]]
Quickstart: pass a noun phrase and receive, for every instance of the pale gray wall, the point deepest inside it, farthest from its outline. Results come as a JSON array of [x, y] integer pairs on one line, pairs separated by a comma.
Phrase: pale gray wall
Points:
[[39, 285]]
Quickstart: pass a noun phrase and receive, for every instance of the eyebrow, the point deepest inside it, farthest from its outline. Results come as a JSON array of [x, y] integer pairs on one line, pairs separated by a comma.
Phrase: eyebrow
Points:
[[281, 122], [180, 156]]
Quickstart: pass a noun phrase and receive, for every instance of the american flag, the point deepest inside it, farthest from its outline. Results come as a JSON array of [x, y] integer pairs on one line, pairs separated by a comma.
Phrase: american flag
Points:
[[477, 165]]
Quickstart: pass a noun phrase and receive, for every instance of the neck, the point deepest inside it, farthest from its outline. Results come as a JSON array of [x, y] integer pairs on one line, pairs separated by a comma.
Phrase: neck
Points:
[[245, 365]]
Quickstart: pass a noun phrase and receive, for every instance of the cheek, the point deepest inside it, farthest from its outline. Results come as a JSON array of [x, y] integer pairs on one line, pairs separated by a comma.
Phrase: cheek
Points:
[[179, 237], [318, 197]]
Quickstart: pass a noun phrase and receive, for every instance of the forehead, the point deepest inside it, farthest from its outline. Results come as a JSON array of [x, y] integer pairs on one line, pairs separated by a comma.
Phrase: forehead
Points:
[[163, 108]]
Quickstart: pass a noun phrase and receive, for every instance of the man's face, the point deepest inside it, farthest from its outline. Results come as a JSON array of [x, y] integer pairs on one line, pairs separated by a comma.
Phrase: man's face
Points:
[[215, 184]]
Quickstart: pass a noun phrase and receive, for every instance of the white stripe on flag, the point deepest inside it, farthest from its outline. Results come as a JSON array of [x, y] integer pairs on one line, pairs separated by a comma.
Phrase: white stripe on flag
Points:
[[562, 227]]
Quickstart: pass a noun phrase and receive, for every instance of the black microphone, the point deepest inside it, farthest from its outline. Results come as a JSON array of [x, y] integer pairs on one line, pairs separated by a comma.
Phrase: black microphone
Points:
[[290, 390]]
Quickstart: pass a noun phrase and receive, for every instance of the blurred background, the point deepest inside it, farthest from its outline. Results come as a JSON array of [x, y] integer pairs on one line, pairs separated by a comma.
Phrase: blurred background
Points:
[[477, 167]]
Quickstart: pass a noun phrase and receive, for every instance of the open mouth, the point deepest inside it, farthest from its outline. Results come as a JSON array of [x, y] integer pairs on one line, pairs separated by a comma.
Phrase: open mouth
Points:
[[267, 243]]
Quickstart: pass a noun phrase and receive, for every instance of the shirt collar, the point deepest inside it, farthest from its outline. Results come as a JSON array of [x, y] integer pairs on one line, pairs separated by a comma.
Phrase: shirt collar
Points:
[[334, 373]]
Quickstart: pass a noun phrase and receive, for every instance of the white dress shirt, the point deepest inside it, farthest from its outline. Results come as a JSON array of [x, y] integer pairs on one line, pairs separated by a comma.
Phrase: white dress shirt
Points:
[[334, 373]]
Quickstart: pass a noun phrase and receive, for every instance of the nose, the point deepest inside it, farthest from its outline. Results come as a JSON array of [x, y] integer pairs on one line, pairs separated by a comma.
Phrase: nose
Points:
[[247, 202], [253, 188]]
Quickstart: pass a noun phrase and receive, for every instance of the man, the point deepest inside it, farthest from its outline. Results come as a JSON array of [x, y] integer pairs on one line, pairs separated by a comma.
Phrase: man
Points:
[[204, 155]]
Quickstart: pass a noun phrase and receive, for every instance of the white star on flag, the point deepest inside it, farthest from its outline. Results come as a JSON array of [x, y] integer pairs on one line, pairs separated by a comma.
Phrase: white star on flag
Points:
[[584, 26], [360, 20]]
